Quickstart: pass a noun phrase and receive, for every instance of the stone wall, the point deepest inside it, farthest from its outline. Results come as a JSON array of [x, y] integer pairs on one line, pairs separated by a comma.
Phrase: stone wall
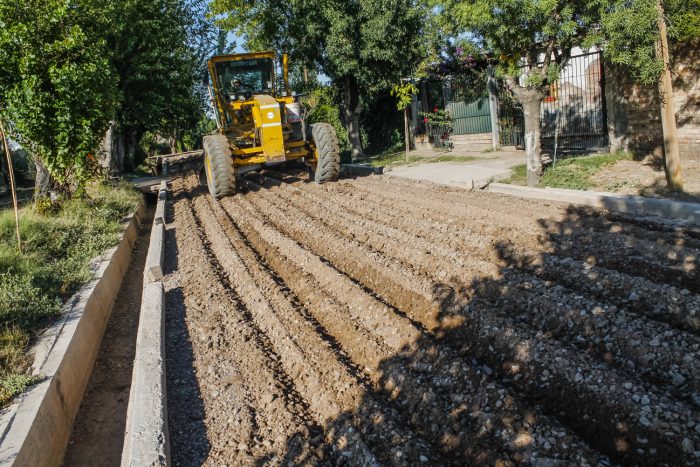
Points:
[[634, 120]]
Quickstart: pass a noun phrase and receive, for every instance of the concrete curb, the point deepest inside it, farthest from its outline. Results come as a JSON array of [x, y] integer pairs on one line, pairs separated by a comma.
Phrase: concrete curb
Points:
[[36, 428], [146, 441], [668, 209], [154, 259], [360, 169], [160, 207]]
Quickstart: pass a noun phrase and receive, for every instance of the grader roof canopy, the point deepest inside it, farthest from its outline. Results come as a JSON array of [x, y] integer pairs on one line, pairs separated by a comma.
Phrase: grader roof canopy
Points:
[[249, 76]]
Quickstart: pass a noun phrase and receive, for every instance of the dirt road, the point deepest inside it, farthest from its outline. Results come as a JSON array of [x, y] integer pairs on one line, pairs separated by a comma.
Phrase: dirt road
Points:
[[384, 321]]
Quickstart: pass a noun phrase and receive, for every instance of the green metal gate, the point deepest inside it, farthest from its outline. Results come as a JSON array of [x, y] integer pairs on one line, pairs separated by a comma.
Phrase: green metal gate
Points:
[[472, 117]]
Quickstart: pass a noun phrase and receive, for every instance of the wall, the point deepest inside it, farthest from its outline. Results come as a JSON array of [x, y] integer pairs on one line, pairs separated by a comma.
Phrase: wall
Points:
[[634, 120]]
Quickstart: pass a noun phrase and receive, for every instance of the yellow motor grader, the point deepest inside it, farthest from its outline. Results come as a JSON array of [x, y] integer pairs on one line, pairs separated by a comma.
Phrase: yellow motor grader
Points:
[[260, 123]]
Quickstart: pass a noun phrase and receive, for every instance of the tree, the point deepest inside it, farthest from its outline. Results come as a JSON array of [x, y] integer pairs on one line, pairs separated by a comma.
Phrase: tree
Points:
[[57, 87], [73, 68], [363, 46], [404, 97], [158, 49], [532, 40], [635, 36]]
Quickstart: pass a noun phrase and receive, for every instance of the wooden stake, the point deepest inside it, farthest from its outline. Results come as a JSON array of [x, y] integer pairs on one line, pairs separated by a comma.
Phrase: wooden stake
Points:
[[13, 189], [672, 160], [407, 136]]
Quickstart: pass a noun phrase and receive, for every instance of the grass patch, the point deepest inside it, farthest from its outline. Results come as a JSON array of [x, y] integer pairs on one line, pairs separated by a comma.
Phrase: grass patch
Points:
[[399, 158], [57, 249], [576, 173], [451, 158]]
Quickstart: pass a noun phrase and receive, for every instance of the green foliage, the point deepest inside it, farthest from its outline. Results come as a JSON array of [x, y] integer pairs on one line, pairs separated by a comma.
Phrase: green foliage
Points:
[[631, 32], [158, 48], [57, 250], [438, 118], [392, 157], [70, 67], [57, 87], [322, 106], [524, 32], [375, 42], [404, 94], [22, 303], [576, 173], [14, 384], [363, 46]]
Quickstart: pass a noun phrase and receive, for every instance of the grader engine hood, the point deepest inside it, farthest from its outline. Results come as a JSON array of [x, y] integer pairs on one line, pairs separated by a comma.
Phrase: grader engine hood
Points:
[[268, 120]]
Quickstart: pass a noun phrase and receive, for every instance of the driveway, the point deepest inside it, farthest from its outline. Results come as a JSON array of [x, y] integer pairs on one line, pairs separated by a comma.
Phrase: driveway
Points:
[[487, 167]]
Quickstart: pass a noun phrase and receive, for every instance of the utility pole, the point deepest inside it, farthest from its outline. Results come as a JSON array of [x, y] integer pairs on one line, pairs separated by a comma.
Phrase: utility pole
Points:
[[13, 189], [672, 160]]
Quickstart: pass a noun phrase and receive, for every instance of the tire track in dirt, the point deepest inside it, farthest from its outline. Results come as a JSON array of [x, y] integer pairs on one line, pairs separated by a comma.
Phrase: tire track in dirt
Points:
[[275, 419], [656, 301], [482, 396], [660, 262], [587, 324], [318, 374], [611, 405], [402, 323]]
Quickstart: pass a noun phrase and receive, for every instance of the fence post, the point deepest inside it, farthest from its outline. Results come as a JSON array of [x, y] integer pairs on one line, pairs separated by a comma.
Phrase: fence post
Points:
[[493, 106]]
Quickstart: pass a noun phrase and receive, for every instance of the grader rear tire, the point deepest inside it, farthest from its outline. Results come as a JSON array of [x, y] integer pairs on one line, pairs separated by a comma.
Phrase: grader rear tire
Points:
[[218, 166], [328, 152]]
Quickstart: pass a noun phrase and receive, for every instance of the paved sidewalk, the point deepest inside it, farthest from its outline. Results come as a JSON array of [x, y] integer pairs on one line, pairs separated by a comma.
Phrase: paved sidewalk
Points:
[[493, 166]]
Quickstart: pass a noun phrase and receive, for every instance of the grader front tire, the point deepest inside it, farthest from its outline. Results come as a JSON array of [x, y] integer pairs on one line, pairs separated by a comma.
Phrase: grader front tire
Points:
[[328, 152], [218, 166]]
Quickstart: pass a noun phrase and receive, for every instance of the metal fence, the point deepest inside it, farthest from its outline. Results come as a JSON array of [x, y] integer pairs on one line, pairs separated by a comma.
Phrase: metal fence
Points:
[[511, 122], [573, 116], [573, 112]]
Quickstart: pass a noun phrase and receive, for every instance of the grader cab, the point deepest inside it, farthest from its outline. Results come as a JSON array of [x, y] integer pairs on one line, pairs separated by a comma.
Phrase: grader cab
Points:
[[260, 123]]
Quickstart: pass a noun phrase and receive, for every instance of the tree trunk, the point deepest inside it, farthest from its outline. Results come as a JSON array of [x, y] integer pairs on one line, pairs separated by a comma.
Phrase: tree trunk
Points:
[[351, 117], [407, 137], [111, 152], [533, 150], [173, 142], [132, 136], [672, 160], [44, 184], [531, 100]]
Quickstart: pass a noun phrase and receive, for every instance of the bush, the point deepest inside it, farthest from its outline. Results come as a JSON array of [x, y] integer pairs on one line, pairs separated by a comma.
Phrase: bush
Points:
[[58, 245]]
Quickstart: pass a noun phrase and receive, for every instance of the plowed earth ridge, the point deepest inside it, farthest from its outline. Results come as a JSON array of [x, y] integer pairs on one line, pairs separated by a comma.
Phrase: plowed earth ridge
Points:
[[386, 322]]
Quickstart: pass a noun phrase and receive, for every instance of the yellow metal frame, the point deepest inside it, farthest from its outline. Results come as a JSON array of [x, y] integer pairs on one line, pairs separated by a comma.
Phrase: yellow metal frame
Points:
[[267, 118]]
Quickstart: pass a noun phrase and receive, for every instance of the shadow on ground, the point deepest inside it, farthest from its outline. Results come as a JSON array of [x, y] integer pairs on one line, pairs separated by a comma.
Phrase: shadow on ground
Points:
[[513, 373]]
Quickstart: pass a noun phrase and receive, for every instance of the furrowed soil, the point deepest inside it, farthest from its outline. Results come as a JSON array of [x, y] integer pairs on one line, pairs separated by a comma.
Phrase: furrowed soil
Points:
[[380, 321]]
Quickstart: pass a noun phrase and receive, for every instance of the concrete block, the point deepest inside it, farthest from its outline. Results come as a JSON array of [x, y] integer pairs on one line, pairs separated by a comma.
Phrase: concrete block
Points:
[[146, 441], [154, 259], [160, 207], [668, 209], [360, 169], [36, 427]]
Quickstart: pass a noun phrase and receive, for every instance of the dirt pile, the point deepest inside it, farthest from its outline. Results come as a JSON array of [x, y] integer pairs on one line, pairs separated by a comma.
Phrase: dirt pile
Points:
[[381, 321]]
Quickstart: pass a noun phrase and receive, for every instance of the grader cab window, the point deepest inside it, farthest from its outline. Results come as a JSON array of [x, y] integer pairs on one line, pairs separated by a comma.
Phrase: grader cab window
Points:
[[245, 77]]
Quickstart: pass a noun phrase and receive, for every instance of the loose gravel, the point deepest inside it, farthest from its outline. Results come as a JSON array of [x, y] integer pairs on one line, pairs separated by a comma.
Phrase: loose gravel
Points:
[[380, 321]]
